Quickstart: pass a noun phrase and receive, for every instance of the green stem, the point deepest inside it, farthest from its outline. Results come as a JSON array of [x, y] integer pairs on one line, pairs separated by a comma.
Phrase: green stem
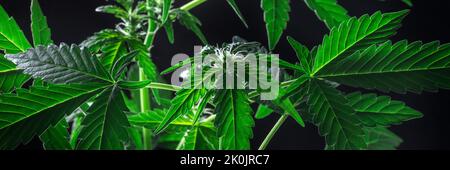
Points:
[[273, 131], [192, 4], [145, 102]]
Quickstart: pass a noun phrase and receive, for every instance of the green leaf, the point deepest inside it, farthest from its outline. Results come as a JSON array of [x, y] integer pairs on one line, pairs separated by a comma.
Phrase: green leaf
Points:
[[234, 119], [356, 34], [328, 11], [169, 32], [399, 68], [165, 10], [56, 137], [276, 16], [191, 23], [76, 127], [39, 27], [111, 52], [10, 77], [380, 138], [263, 111], [335, 119], [408, 2], [381, 110], [235, 7], [302, 54], [105, 126], [61, 65], [182, 103], [198, 138], [289, 108], [45, 106], [117, 11], [122, 63], [12, 39]]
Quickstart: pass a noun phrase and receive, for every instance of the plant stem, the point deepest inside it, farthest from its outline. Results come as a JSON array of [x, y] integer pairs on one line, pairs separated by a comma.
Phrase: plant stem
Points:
[[273, 131], [192, 4]]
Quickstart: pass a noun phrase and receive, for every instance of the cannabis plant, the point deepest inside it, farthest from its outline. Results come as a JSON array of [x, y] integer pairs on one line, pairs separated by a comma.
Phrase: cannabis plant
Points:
[[107, 93]]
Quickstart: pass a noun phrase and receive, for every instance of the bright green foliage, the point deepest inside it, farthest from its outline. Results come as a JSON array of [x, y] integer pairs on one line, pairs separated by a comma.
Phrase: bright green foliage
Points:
[[165, 10], [61, 64], [399, 68], [45, 106], [302, 53], [105, 124], [276, 16], [336, 120], [236, 9], [10, 77], [111, 52], [380, 110], [234, 119], [192, 23], [57, 137], [329, 11], [356, 34], [12, 39], [380, 138], [39, 27], [183, 102]]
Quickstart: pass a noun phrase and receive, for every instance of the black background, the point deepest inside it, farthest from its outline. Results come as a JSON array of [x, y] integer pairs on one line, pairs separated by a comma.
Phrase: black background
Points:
[[72, 21]]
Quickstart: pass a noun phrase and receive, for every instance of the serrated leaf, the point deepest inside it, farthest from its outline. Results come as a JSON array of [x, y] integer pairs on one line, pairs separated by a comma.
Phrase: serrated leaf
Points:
[[380, 110], [105, 125], [276, 16], [56, 137], [39, 28], [10, 77], [182, 103], [328, 11], [381, 138], [199, 138], [236, 9], [302, 53], [399, 68], [234, 119], [61, 65], [122, 63], [356, 34], [191, 23], [12, 39], [45, 106], [111, 52], [263, 111], [335, 119], [133, 85]]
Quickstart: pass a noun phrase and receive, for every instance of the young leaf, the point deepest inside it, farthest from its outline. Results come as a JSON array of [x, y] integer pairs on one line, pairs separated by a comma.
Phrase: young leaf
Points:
[[39, 27], [276, 16], [61, 64], [165, 10], [45, 106], [302, 54], [12, 39], [192, 23], [235, 7], [356, 34], [399, 68], [336, 120], [263, 111], [105, 126], [56, 137], [380, 110], [234, 119], [380, 138], [329, 11]]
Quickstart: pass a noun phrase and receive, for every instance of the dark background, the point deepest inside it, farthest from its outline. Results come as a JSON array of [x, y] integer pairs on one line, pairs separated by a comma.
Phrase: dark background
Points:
[[72, 21]]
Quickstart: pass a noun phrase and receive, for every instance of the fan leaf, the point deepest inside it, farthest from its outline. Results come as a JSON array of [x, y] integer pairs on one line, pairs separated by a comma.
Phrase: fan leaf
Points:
[[12, 39], [356, 34], [381, 138], [234, 119], [105, 125], [335, 119], [57, 137], [39, 28], [399, 68], [381, 110], [61, 64], [276, 16], [328, 11], [45, 106]]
